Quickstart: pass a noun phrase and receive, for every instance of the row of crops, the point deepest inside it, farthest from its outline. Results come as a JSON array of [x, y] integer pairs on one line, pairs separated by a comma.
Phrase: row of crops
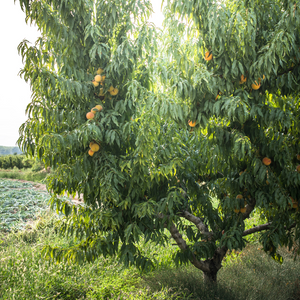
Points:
[[20, 203]]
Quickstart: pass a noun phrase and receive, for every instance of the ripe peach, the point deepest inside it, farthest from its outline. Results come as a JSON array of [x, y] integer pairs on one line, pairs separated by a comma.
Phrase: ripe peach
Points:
[[298, 168], [243, 79], [95, 147], [255, 85], [94, 110], [90, 116], [99, 107], [207, 56], [114, 92], [95, 83], [97, 78], [239, 196], [266, 161], [192, 124], [91, 153], [243, 210]]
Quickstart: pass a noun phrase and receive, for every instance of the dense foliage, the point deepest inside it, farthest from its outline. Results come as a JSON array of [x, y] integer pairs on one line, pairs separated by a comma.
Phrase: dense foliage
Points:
[[207, 109]]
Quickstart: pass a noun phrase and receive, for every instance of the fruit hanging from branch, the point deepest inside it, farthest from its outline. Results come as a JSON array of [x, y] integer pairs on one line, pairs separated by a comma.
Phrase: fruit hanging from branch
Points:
[[97, 78], [208, 56], [95, 83], [99, 107], [90, 115], [243, 79], [266, 161], [94, 147], [255, 85], [114, 91], [192, 124]]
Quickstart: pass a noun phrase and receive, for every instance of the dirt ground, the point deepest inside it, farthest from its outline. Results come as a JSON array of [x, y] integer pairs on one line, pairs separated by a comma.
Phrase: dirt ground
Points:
[[42, 187]]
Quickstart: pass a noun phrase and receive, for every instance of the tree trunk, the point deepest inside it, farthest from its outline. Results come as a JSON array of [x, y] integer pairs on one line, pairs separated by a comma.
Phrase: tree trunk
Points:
[[210, 277], [214, 265]]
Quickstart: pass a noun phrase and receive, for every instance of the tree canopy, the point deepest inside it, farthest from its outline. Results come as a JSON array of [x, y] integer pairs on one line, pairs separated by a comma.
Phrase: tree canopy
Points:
[[198, 125]]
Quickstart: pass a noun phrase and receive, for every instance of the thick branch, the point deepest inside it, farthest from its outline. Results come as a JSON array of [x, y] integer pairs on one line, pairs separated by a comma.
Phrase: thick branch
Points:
[[257, 228], [203, 266], [264, 227], [197, 221]]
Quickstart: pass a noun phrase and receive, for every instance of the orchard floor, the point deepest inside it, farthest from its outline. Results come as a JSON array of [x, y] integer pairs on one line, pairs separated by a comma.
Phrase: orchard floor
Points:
[[249, 274]]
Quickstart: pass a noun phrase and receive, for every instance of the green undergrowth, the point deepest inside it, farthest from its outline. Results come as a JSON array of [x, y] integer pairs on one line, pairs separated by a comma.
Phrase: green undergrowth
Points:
[[24, 274], [23, 174]]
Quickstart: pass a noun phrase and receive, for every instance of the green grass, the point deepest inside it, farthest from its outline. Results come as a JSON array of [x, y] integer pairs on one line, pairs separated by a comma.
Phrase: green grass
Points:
[[249, 274], [24, 174]]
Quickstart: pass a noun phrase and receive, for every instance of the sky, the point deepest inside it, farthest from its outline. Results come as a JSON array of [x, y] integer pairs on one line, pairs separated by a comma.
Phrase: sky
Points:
[[15, 92]]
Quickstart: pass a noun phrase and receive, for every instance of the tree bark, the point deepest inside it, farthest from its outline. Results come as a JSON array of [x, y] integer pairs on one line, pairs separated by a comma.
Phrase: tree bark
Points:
[[210, 277], [214, 265]]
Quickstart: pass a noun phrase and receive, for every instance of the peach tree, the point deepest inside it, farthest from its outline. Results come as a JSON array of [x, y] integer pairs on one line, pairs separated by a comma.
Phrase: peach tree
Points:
[[188, 131]]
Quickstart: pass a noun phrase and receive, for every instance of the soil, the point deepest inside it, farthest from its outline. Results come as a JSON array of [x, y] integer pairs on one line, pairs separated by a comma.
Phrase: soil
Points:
[[42, 187]]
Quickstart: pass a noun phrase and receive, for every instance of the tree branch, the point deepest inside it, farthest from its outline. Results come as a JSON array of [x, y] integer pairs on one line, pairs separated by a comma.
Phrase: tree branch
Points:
[[195, 220], [264, 227], [203, 266], [257, 228], [287, 70]]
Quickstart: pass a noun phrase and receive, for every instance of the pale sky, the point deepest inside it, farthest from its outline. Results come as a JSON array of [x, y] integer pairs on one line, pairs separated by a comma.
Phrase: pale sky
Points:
[[15, 92]]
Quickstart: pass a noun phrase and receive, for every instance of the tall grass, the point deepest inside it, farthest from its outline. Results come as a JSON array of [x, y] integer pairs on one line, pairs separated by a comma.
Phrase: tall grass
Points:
[[24, 274]]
